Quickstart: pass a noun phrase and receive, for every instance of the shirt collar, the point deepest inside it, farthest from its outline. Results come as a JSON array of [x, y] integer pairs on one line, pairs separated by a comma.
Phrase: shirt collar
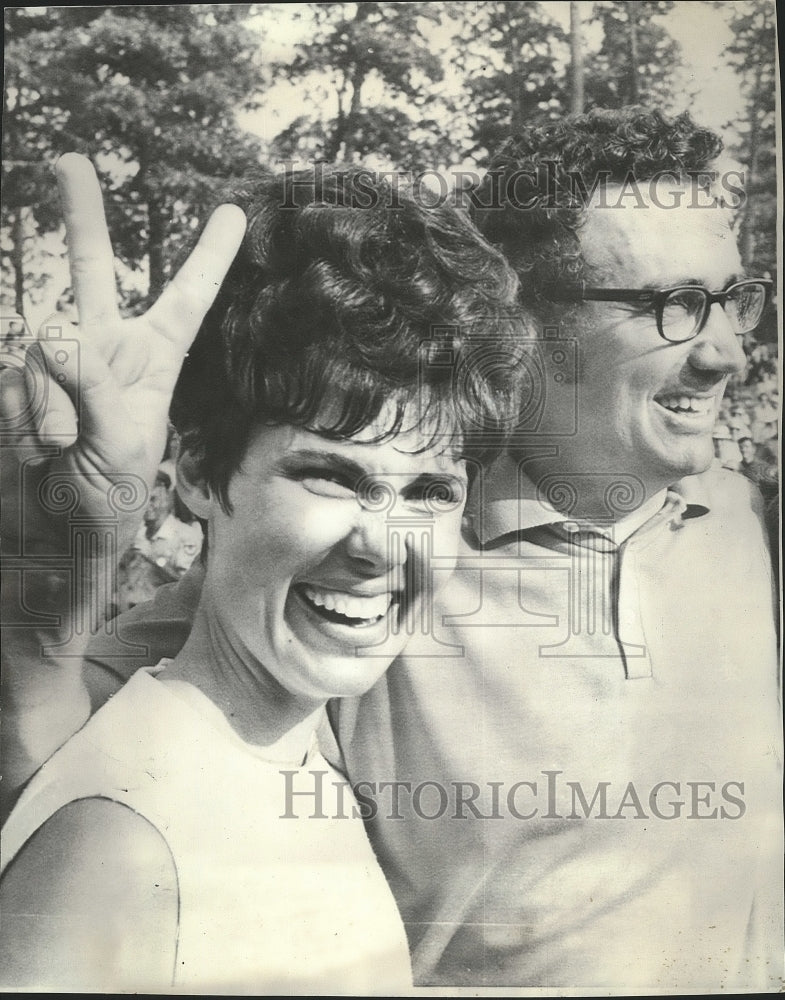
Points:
[[505, 501]]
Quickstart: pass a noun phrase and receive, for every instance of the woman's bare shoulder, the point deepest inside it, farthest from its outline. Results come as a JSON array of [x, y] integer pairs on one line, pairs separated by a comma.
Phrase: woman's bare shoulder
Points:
[[90, 902]]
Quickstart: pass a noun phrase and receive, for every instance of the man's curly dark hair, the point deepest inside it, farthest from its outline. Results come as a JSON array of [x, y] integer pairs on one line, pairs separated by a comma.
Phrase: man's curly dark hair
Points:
[[349, 294], [533, 199]]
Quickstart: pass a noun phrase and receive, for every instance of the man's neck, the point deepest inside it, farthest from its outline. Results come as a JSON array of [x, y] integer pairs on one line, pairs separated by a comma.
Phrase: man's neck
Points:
[[591, 495]]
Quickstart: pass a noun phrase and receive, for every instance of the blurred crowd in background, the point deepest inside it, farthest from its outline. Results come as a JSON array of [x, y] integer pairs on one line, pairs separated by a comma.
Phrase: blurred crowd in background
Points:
[[746, 434]]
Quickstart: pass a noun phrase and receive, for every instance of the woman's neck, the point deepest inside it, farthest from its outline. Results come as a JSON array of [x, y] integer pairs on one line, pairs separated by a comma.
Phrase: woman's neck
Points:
[[257, 707]]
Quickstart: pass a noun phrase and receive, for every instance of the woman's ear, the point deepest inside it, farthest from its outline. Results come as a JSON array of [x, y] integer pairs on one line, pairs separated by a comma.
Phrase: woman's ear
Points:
[[192, 487]]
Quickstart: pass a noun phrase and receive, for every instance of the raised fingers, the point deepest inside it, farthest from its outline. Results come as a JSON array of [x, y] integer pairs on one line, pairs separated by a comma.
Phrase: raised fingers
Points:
[[89, 248], [184, 302]]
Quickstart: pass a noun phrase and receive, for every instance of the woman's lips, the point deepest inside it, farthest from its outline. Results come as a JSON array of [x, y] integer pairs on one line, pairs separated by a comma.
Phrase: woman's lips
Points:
[[342, 608]]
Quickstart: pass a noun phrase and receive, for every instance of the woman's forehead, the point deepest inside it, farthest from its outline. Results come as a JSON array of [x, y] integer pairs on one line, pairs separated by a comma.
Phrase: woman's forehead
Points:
[[410, 425], [375, 450], [378, 447]]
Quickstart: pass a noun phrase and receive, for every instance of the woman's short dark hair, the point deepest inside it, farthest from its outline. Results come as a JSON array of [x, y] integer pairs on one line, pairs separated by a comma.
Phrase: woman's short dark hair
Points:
[[349, 293]]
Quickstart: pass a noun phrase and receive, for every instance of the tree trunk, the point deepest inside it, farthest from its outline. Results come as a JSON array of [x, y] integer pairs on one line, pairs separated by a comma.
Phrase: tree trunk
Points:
[[518, 70], [156, 233], [576, 65], [18, 260], [747, 233], [634, 97], [345, 131], [352, 124], [156, 230]]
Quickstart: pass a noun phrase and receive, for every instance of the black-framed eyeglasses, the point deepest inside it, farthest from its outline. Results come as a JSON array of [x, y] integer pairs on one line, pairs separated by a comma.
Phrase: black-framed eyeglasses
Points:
[[682, 310]]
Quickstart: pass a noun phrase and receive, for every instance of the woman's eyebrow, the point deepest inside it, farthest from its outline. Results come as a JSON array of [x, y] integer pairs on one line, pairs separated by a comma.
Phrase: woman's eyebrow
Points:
[[426, 479], [334, 460]]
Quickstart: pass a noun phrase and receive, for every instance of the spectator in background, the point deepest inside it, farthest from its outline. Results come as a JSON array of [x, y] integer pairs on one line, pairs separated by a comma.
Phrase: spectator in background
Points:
[[726, 451], [759, 465], [66, 306], [764, 426], [739, 422], [164, 539], [13, 348], [755, 466], [165, 546]]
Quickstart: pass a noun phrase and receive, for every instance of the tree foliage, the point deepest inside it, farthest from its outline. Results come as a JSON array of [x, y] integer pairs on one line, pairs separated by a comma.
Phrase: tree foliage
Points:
[[359, 50], [520, 63], [150, 93], [637, 58], [514, 58], [752, 55]]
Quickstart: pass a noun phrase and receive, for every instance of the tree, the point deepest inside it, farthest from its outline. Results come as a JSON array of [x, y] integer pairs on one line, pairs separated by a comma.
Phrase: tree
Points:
[[637, 57], [33, 122], [150, 93], [514, 57], [752, 55], [520, 66], [354, 49], [576, 59]]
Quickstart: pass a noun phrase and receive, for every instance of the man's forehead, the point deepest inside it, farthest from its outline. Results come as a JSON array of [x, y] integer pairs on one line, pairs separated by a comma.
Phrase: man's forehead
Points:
[[658, 238]]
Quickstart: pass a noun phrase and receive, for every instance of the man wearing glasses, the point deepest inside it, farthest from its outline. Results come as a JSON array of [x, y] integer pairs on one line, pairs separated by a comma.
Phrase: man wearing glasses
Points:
[[603, 720], [573, 779]]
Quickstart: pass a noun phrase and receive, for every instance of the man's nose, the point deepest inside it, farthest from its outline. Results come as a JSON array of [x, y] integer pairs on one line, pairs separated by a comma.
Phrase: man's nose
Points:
[[373, 545], [718, 347]]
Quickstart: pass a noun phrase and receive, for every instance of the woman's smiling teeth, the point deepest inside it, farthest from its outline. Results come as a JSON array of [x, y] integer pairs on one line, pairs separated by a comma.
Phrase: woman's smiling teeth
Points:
[[346, 609]]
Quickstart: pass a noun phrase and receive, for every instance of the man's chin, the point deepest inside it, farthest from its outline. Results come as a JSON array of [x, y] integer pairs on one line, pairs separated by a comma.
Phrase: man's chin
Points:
[[682, 462]]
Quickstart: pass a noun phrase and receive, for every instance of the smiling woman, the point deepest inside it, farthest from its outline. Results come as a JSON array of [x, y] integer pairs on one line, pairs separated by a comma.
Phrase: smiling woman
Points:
[[327, 409]]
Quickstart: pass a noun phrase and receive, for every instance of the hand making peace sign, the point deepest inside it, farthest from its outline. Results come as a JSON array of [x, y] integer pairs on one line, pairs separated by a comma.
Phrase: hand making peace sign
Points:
[[122, 376]]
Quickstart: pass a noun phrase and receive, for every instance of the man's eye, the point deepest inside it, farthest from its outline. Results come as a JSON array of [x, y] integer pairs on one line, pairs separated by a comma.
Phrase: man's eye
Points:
[[681, 301], [685, 300], [643, 308]]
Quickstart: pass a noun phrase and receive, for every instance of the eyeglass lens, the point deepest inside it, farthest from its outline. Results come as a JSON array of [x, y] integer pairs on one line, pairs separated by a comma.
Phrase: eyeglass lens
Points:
[[684, 310], [744, 306]]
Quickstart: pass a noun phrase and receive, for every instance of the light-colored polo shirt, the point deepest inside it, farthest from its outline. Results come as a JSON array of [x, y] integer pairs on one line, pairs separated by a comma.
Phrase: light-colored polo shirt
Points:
[[581, 787]]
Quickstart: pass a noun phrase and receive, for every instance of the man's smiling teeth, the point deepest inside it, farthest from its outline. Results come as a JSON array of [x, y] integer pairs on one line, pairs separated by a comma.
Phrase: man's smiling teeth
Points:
[[359, 608], [687, 404]]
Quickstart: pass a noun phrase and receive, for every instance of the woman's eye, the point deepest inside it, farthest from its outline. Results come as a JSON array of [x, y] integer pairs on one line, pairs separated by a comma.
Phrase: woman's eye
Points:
[[328, 484], [438, 496]]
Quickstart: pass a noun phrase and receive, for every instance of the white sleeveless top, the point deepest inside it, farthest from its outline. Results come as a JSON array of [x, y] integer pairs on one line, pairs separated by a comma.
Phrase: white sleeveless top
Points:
[[267, 903]]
